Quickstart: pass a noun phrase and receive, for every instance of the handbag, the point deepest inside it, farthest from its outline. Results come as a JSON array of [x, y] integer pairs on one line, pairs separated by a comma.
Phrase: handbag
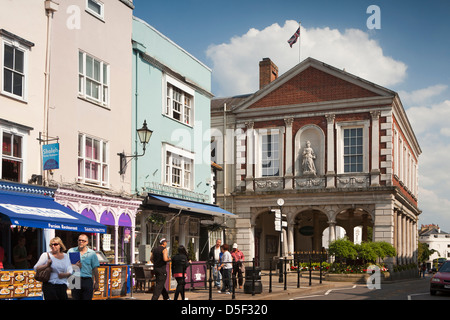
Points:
[[43, 274]]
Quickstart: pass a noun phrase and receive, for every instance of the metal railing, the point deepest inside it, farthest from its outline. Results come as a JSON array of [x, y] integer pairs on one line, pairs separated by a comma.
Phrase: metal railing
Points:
[[277, 268]]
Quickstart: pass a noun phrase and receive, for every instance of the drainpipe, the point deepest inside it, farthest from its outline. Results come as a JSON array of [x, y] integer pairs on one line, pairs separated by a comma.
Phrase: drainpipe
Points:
[[50, 8]]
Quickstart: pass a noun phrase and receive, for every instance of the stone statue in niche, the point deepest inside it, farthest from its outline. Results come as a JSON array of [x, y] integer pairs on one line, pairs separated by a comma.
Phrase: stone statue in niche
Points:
[[309, 156]]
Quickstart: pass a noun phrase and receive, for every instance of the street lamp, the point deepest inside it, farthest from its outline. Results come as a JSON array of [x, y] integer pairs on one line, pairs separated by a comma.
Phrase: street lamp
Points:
[[144, 135]]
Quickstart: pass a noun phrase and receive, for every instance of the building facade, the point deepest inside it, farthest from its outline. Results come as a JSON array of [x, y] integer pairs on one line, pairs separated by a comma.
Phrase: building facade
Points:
[[90, 112], [69, 78], [172, 94], [437, 240], [336, 149]]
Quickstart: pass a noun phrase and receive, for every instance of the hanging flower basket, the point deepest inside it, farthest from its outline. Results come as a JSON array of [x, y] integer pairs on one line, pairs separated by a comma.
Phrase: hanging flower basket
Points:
[[157, 219]]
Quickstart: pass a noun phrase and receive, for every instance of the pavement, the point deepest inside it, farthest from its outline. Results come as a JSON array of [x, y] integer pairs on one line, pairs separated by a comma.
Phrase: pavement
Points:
[[278, 291]]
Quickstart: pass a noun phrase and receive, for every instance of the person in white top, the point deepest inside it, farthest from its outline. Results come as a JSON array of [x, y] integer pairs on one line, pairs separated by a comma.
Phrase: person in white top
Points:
[[56, 287], [226, 266]]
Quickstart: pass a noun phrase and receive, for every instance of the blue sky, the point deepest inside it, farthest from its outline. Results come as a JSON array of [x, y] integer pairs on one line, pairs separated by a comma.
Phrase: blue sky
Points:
[[409, 54]]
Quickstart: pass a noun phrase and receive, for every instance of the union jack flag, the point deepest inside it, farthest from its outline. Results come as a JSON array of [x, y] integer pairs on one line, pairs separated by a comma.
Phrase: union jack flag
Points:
[[294, 37]]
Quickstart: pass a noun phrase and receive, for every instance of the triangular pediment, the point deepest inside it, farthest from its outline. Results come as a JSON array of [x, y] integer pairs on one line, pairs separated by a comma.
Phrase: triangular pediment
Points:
[[313, 82]]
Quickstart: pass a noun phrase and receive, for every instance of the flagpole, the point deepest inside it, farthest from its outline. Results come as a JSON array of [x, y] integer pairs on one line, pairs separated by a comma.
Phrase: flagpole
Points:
[[299, 42]]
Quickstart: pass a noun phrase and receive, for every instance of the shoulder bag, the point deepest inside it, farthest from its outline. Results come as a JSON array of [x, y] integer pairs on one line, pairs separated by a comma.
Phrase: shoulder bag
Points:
[[43, 274]]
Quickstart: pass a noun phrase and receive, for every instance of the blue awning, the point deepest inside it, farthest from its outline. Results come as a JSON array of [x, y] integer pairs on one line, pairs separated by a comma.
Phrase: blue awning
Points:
[[190, 206], [30, 210]]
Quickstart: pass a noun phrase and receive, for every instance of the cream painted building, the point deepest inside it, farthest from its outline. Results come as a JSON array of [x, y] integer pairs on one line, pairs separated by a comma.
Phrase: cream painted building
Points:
[[70, 82]]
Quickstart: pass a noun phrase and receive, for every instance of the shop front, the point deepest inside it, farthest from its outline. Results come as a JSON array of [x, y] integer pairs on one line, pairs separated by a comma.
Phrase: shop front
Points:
[[29, 217]]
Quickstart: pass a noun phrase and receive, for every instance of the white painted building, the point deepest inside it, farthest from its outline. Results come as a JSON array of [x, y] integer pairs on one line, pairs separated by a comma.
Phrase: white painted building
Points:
[[436, 239]]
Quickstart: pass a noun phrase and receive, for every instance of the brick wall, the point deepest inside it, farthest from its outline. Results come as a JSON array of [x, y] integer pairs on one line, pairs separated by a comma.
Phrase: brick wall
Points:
[[312, 85]]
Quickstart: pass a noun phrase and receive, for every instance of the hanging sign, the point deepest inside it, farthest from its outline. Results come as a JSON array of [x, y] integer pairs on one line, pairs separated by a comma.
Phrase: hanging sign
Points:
[[50, 156]]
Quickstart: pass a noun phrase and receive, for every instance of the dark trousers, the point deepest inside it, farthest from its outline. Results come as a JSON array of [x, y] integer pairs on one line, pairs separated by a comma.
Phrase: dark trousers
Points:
[[54, 291], [226, 280], [237, 274], [181, 282], [160, 285], [86, 291]]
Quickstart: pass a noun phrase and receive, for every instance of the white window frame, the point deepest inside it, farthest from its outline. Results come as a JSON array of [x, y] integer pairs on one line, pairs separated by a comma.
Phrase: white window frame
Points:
[[186, 111], [260, 133], [13, 131], [101, 16], [17, 46], [340, 127], [185, 159], [84, 80], [102, 162]]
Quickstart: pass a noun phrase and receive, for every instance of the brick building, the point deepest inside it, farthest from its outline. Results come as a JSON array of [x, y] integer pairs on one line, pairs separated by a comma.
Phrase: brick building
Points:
[[339, 150]]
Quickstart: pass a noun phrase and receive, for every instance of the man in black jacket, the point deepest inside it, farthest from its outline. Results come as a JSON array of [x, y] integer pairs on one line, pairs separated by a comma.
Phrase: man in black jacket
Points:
[[159, 258]]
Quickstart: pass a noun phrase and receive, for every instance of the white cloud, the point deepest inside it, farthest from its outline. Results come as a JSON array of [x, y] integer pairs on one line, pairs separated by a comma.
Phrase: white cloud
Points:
[[422, 96], [437, 209], [235, 64], [430, 119]]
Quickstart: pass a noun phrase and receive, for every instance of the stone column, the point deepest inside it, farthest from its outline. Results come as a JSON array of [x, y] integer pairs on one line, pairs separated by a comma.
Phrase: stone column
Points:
[[250, 156], [288, 176], [331, 172], [399, 236], [375, 161], [290, 237]]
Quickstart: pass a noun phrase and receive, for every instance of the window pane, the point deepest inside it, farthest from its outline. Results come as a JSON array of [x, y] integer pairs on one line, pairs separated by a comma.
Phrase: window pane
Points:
[[270, 163], [105, 74], [8, 60], [7, 80], [97, 70], [94, 6], [80, 62], [89, 148], [89, 66], [96, 150], [17, 90], [7, 139], [11, 170], [353, 150], [18, 61], [17, 147], [104, 152]]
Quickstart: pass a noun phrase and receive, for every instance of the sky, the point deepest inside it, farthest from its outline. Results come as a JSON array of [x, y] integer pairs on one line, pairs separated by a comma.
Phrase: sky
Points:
[[401, 45]]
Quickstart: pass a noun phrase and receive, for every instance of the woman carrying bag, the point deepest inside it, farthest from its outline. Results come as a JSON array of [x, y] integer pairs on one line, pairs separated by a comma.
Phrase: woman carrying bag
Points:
[[61, 268], [179, 264]]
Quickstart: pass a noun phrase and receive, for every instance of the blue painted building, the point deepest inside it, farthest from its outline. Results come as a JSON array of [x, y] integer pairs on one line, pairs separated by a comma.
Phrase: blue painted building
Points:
[[172, 93]]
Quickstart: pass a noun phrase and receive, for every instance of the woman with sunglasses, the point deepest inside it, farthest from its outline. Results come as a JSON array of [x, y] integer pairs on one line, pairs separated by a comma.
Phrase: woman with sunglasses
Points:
[[56, 287]]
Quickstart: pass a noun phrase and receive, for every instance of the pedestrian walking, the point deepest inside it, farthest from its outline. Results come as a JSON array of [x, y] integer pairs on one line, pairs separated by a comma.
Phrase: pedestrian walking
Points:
[[226, 266], [56, 287], [214, 258], [423, 269], [86, 270], [179, 264], [238, 266], [159, 258]]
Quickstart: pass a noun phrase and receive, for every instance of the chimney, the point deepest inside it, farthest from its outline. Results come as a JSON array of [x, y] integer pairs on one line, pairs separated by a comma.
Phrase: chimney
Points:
[[268, 72]]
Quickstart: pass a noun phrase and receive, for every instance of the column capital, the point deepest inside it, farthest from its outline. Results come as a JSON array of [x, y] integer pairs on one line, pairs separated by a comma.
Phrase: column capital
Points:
[[249, 124], [330, 118], [289, 121], [375, 114]]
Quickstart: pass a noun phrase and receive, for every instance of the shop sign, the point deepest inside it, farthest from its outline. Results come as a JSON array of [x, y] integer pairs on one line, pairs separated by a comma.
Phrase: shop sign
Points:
[[50, 156], [307, 230]]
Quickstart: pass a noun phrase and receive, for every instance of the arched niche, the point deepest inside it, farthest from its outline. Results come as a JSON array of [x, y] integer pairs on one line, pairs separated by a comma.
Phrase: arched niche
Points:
[[316, 137]]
